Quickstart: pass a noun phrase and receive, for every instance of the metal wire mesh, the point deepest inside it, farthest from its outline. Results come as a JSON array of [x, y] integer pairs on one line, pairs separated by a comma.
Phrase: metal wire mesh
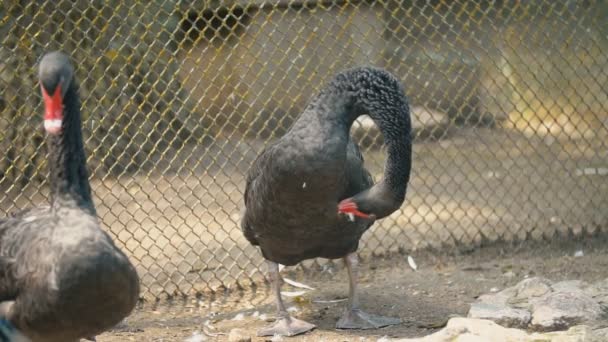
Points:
[[509, 101]]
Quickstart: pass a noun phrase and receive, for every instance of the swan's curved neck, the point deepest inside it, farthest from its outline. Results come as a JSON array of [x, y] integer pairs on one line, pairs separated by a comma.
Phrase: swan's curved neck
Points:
[[69, 179], [376, 93], [397, 168], [379, 94]]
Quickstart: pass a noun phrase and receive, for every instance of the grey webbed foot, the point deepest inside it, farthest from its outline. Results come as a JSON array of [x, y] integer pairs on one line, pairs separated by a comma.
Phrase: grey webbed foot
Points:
[[286, 326], [357, 319]]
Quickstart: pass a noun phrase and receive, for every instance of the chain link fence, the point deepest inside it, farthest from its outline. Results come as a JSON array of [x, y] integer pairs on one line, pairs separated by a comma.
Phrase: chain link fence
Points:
[[509, 103]]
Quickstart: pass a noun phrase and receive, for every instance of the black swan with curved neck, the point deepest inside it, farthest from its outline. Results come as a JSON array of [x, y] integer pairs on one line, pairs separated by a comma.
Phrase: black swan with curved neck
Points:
[[62, 278], [300, 187]]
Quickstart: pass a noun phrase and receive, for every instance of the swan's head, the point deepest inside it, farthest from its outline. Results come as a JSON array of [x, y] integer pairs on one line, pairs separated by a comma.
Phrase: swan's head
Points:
[[374, 203], [351, 209], [55, 74]]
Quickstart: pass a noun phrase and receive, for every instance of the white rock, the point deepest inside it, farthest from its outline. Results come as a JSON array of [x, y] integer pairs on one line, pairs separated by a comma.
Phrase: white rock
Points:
[[238, 335], [478, 330], [239, 317], [196, 337], [471, 330]]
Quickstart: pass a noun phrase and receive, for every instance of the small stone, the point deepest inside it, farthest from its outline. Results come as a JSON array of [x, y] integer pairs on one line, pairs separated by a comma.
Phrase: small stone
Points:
[[569, 286], [599, 291], [561, 310], [531, 288], [509, 274], [196, 337], [238, 335], [501, 314], [500, 298], [601, 334]]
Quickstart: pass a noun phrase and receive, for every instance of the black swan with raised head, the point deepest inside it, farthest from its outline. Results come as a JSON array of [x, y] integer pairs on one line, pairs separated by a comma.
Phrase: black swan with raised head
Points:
[[301, 186], [62, 278]]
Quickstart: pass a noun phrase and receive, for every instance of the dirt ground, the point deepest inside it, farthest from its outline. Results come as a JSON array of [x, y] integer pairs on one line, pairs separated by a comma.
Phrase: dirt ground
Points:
[[443, 286], [180, 223]]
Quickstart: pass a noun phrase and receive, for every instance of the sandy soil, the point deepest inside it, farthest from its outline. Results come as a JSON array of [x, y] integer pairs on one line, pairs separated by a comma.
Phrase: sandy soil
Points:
[[444, 285]]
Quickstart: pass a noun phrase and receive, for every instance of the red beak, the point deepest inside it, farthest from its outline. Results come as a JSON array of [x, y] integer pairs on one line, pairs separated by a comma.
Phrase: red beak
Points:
[[347, 206], [53, 110]]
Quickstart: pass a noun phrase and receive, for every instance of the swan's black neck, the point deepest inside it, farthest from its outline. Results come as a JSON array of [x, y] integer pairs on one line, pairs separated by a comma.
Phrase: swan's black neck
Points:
[[377, 93], [67, 160]]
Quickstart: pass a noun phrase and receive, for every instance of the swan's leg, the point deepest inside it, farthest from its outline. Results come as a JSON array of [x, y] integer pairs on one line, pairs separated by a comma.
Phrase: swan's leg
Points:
[[354, 317], [285, 325]]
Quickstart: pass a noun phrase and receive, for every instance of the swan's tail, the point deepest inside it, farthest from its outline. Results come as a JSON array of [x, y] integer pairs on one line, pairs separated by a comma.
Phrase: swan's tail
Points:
[[8, 333]]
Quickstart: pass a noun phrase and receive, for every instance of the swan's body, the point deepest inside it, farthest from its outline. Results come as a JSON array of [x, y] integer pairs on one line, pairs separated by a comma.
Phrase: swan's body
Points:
[[62, 276], [297, 186], [308, 193]]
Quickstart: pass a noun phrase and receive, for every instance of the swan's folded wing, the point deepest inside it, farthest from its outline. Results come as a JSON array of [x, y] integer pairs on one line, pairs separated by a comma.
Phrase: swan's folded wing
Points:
[[8, 286], [255, 172]]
